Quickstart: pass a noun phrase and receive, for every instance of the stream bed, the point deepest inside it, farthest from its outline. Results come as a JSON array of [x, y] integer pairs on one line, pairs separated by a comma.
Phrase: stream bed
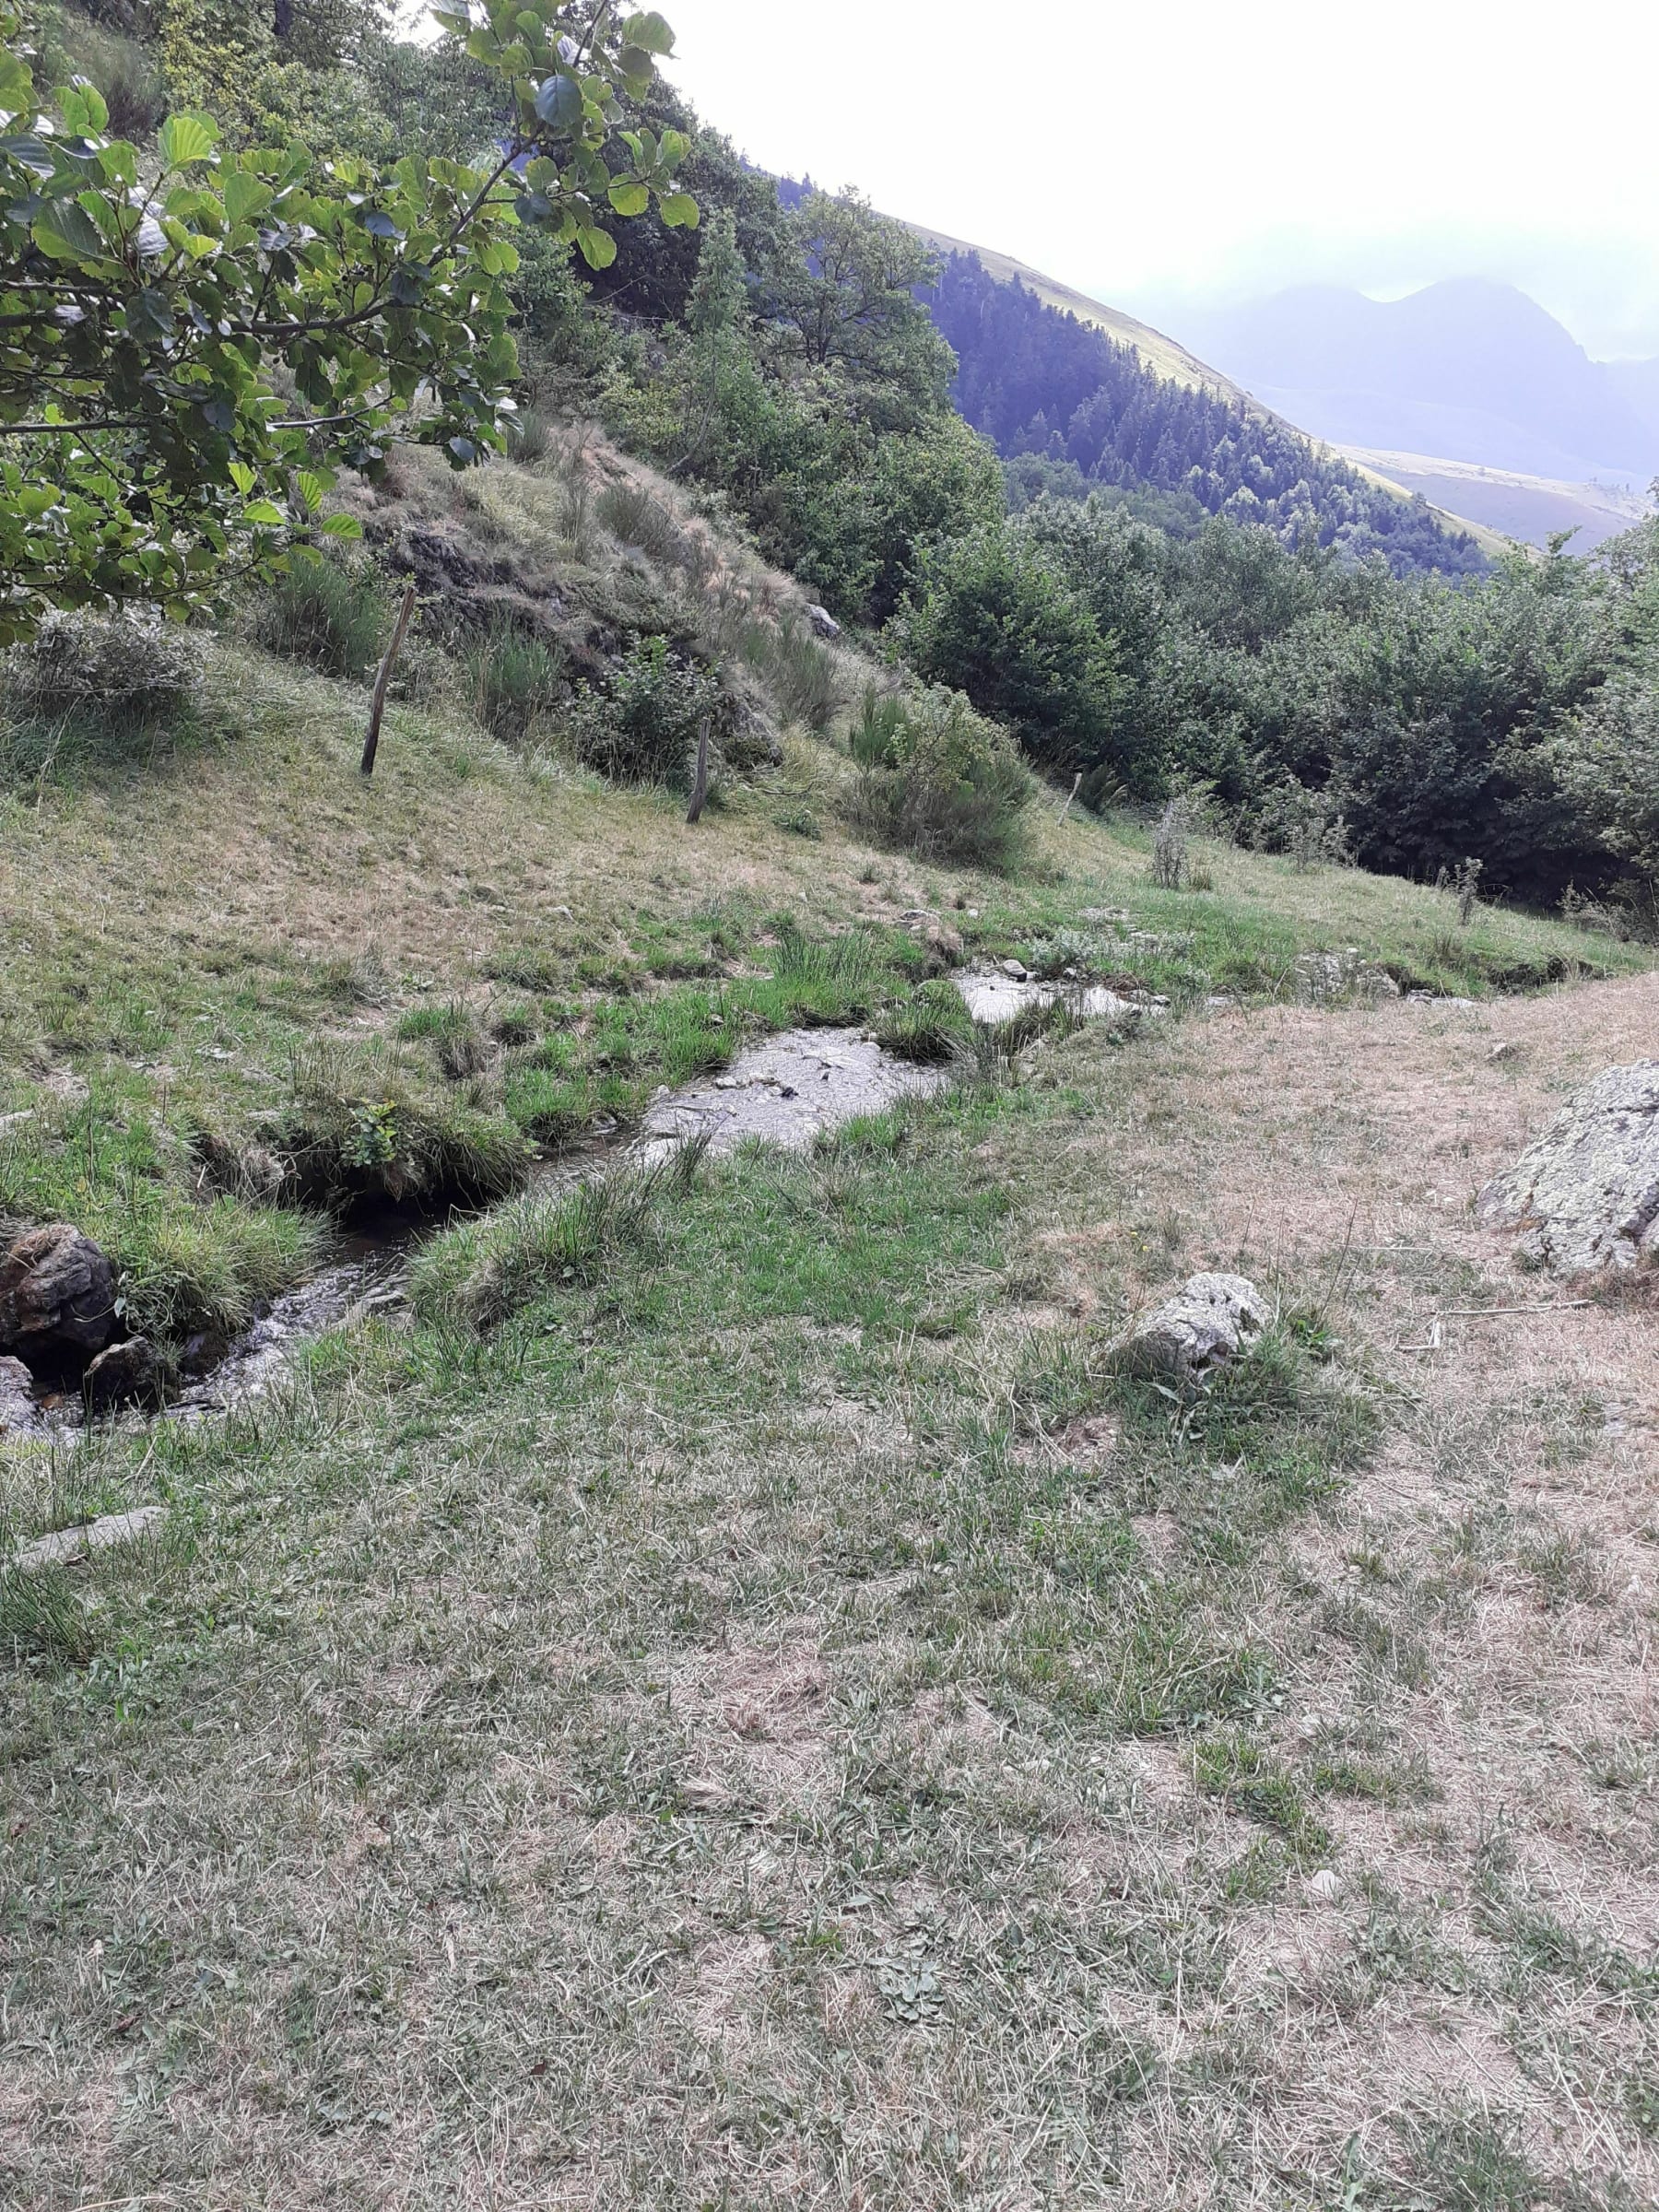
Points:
[[785, 1089]]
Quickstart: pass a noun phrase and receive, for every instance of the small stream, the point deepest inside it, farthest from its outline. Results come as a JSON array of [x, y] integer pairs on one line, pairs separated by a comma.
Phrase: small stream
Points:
[[785, 1089]]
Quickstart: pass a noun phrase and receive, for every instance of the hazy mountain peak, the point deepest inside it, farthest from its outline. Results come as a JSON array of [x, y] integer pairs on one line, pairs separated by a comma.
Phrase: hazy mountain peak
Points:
[[1469, 367]]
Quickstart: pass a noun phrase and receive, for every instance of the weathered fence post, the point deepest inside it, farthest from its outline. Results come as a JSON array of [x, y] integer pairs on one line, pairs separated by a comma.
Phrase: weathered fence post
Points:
[[378, 705], [1071, 794], [700, 781]]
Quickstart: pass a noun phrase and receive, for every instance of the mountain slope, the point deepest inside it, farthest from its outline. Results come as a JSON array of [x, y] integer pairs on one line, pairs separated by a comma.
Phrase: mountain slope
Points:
[[1076, 390], [1469, 369]]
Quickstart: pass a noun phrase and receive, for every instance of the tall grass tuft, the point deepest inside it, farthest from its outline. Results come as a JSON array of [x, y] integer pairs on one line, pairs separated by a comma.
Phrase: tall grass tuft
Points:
[[334, 615], [353, 1130], [796, 669], [481, 1272], [517, 680], [42, 1616]]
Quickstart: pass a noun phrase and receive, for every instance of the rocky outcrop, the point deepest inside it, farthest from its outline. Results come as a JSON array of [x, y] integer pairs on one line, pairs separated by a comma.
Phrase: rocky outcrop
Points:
[[1585, 1196], [1211, 1320], [57, 1299]]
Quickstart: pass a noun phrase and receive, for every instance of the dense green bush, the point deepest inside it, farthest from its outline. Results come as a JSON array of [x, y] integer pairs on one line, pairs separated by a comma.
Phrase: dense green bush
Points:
[[996, 619], [939, 779], [644, 728]]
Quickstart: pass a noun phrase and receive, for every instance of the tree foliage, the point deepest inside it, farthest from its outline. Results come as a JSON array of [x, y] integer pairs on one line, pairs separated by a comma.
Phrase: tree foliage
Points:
[[147, 301]]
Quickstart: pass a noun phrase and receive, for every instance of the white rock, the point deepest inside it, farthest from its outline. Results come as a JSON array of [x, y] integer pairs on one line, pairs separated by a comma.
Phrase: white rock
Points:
[[1585, 1196], [1325, 1887], [1212, 1319]]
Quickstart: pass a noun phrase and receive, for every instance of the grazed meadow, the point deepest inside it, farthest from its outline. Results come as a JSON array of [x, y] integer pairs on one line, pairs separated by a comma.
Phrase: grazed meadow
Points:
[[762, 1708]]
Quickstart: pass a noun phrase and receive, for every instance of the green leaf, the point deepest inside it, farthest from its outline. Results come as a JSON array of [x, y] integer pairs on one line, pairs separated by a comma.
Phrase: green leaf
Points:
[[17, 86], [629, 198], [35, 501], [265, 511], [245, 196], [149, 317], [187, 138], [679, 211], [310, 487], [342, 525], [560, 104], [650, 31], [241, 476], [598, 247], [67, 233]]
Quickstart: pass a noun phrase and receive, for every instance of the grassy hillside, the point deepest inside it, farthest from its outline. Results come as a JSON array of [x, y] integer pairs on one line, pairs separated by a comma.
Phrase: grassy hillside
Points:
[[233, 932], [1510, 505]]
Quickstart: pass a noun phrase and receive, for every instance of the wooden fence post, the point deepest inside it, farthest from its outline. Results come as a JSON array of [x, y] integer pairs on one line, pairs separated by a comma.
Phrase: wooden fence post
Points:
[[1071, 794], [378, 705], [700, 781]]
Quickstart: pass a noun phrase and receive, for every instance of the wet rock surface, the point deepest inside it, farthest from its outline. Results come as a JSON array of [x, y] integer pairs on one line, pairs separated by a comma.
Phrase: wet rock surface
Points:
[[785, 1090], [260, 1356], [994, 995], [57, 1298], [1585, 1196], [1211, 1320]]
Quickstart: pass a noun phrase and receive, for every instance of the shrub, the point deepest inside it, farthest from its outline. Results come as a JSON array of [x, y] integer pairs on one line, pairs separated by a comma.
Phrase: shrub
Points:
[[995, 619], [122, 668], [643, 729], [517, 680], [1172, 842], [939, 779], [334, 615]]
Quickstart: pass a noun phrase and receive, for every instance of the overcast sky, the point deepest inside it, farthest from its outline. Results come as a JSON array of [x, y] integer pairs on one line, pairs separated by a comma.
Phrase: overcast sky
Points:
[[1168, 152]]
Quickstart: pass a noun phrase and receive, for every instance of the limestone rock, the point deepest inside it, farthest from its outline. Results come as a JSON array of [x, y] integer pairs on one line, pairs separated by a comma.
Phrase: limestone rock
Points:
[[1210, 1319], [1585, 1196], [67, 1547], [19, 1416], [823, 621], [57, 1297], [125, 1375]]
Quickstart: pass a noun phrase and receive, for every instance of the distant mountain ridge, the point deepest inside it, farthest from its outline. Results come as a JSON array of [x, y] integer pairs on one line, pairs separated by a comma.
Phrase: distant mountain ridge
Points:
[[1097, 399], [1469, 369]]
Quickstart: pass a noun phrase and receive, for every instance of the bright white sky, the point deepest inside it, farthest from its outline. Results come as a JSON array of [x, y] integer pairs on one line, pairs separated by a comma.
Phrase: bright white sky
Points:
[[1196, 149]]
